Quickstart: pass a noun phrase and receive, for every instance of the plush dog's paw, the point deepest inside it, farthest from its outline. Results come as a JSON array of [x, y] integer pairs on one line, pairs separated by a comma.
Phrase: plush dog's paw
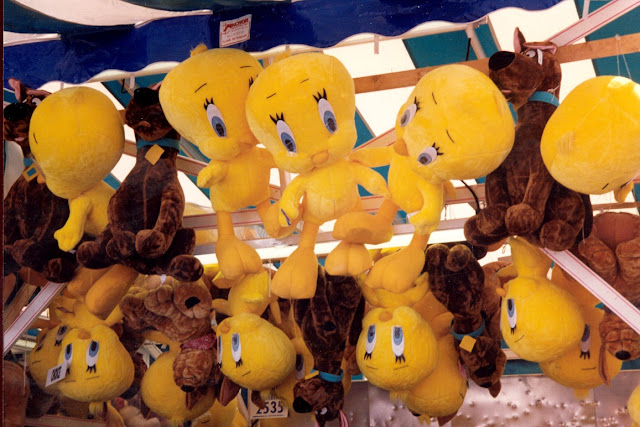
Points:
[[151, 243]]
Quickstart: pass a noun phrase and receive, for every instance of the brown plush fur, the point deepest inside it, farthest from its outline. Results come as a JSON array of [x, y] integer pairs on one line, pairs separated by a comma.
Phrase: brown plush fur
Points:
[[179, 310], [457, 281], [145, 214], [326, 322], [16, 394], [613, 252], [31, 212], [522, 197]]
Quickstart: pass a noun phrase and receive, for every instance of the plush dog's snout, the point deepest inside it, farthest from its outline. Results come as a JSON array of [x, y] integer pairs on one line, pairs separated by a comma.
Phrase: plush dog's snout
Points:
[[191, 302], [500, 60], [16, 111], [145, 96], [302, 406]]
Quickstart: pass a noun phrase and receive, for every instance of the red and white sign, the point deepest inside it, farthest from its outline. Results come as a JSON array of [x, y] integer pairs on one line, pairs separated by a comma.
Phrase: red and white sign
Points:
[[235, 30]]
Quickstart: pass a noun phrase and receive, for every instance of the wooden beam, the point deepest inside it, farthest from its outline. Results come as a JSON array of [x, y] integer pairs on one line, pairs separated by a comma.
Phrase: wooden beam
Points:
[[589, 50]]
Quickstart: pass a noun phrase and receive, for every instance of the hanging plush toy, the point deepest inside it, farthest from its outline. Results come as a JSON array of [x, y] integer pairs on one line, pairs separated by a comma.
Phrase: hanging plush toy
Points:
[[633, 406], [250, 294], [588, 365], [145, 214], [393, 339], [327, 322], [32, 213], [204, 100], [612, 251], [457, 281], [538, 320], [98, 366], [455, 125], [161, 394], [302, 109], [253, 353], [596, 128], [181, 311], [15, 393], [522, 198]]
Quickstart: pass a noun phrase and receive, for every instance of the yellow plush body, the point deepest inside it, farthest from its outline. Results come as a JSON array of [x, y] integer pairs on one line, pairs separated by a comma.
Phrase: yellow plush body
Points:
[[80, 317], [76, 136], [221, 416], [396, 349], [249, 295], [539, 321], [161, 394], [633, 405], [253, 353], [45, 355], [302, 109], [204, 100], [590, 144], [583, 297], [100, 367], [455, 125], [585, 366]]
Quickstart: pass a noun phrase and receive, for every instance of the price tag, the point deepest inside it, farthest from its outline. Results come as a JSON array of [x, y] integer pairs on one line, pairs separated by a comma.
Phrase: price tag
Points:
[[56, 374], [273, 409]]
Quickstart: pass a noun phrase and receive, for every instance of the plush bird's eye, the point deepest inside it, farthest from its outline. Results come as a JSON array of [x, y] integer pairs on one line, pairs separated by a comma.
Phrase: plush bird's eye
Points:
[[68, 355], [327, 115], [236, 349], [511, 314], [299, 366], [409, 113], [284, 133], [397, 343], [62, 331], [92, 355], [429, 154], [585, 343], [371, 341], [41, 343], [219, 357], [215, 118]]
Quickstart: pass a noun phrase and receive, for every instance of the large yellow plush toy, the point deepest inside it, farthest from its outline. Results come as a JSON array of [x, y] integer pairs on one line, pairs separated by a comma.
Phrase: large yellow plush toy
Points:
[[590, 144], [161, 394], [539, 321], [455, 125], [250, 294], [588, 365], [253, 353], [396, 349], [99, 368], [204, 100], [45, 356], [302, 109]]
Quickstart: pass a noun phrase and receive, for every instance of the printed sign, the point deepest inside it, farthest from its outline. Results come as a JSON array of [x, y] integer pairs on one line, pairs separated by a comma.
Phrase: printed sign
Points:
[[56, 374], [235, 30], [273, 409]]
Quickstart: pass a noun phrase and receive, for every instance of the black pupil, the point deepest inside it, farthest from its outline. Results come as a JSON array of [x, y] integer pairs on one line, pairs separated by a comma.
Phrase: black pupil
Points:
[[235, 341], [331, 124], [289, 144], [510, 305], [62, 330], [93, 345], [424, 159], [299, 362], [219, 129], [396, 333], [404, 118], [68, 350], [587, 332]]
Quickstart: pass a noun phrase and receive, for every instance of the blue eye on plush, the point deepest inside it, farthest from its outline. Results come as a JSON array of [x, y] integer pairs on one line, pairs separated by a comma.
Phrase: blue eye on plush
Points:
[[397, 343], [215, 119], [236, 349], [511, 314], [585, 343], [286, 136], [68, 352], [92, 355], [371, 341], [327, 115]]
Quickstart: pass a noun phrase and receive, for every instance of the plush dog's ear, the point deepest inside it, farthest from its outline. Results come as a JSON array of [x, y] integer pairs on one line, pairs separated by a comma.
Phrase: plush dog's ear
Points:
[[518, 41], [228, 391]]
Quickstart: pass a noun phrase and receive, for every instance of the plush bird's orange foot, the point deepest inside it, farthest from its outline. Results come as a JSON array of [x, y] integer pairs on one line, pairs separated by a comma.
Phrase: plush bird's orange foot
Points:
[[297, 277], [348, 259], [236, 258], [269, 216], [397, 272], [361, 227]]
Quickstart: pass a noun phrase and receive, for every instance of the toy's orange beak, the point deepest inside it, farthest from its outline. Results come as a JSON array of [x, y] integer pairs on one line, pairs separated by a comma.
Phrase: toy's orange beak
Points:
[[401, 147], [225, 328], [320, 158]]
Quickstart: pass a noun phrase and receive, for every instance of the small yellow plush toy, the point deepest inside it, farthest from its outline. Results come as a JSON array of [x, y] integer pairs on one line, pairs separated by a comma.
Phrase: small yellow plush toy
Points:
[[455, 125], [204, 100], [539, 321], [590, 144], [396, 349], [161, 394], [588, 365], [99, 368], [302, 109], [253, 353], [633, 405]]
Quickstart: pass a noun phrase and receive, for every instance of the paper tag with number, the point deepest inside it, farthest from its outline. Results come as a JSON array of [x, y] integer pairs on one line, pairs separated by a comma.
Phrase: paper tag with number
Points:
[[273, 408], [56, 374]]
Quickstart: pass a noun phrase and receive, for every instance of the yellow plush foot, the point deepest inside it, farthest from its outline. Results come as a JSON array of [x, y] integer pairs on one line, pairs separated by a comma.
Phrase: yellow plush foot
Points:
[[297, 277], [397, 272], [269, 215], [236, 258], [348, 259], [361, 227]]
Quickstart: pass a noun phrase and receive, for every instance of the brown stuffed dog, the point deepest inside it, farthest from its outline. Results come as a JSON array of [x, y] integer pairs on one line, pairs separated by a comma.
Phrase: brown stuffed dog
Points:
[[326, 321], [457, 281], [31, 212], [522, 198], [613, 252], [181, 311], [15, 394], [145, 214]]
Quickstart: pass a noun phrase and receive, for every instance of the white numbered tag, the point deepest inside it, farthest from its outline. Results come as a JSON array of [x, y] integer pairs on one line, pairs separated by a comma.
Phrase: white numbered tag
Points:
[[273, 408], [56, 373]]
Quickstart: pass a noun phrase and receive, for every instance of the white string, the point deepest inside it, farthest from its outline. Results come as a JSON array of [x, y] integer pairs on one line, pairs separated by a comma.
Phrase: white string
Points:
[[624, 57]]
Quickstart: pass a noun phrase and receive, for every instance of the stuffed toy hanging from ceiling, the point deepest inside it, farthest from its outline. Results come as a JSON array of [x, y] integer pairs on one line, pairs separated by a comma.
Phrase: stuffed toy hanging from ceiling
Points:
[[455, 125], [522, 198], [145, 214], [328, 321], [590, 143], [302, 109], [76, 137], [32, 213], [204, 100], [613, 252]]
